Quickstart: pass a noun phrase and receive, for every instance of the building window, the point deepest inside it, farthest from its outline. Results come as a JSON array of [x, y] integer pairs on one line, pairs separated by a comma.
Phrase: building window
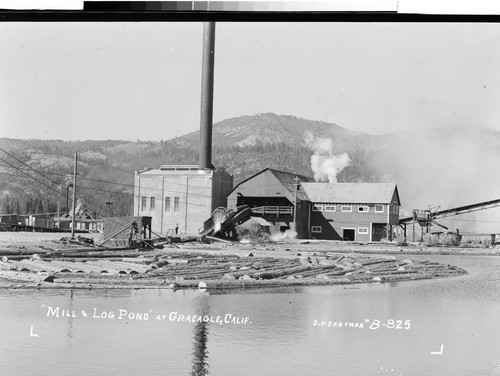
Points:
[[317, 207], [379, 208], [363, 209], [143, 203], [346, 209], [167, 204], [151, 203], [362, 230], [393, 209], [316, 229], [330, 208], [176, 204]]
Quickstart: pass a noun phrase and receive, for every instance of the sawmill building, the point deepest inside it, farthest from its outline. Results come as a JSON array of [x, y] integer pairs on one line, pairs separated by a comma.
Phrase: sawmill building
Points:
[[336, 211], [271, 194], [352, 211]]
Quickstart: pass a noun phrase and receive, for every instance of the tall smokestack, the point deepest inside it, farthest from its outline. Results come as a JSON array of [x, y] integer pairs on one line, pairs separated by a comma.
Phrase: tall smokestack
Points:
[[207, 96]]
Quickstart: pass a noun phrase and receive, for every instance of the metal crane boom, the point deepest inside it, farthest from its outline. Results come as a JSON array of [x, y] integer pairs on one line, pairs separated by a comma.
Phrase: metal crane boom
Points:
[[457, 211]]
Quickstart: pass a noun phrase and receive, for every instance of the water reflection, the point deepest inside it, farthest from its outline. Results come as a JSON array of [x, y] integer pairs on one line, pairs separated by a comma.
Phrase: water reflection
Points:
[[200, 352], [70, 321], [461, 313]]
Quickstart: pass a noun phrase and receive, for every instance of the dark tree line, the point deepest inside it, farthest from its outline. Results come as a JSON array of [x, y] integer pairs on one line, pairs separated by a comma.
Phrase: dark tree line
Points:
[[108, 176]]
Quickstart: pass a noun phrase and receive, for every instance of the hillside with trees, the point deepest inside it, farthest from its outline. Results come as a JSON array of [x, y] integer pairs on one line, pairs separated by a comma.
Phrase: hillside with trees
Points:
[[449, 167]]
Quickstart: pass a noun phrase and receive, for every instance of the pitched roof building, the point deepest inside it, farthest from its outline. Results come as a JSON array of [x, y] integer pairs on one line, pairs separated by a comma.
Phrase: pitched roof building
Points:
[[271, 194], [352, 211], [338, 211], [382, 193]]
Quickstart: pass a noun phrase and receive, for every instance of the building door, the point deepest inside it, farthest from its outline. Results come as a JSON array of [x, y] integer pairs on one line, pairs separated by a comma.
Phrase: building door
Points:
[[379, 231], [349, 234]]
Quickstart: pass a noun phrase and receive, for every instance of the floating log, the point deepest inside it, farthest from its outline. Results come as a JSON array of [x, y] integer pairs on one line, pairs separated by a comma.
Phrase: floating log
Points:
[[37, 266], [179, 269], [281, 273]]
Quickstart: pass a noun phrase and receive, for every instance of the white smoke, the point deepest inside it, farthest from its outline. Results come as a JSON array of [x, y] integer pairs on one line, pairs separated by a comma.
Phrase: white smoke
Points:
[[283, 236], [77, 208], [324, 164]]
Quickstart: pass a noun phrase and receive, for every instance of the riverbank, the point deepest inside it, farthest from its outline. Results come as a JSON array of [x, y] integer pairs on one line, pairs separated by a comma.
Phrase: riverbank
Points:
[[53, 262]]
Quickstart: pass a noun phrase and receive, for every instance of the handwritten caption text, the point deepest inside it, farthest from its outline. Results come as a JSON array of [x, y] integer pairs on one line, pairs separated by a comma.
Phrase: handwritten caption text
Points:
[[123, 314], [372, 324]]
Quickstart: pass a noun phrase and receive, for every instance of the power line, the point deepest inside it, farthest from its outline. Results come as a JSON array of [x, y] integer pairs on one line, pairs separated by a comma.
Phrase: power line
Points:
[[78, 196], [102, 181], [131, 195], [134, 196], [180, 192], [69, 173], [45, 172], [39, 181], [43, 183]]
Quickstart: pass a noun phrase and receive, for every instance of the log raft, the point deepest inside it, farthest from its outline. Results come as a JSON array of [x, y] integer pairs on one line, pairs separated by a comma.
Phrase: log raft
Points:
[[188, 268]]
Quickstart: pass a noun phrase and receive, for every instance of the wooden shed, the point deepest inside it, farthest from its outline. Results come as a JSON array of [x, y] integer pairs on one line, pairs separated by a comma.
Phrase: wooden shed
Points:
[[126, 231]]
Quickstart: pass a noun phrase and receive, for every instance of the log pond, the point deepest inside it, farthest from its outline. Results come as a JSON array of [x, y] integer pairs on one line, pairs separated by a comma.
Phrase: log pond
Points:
[[444, 326]]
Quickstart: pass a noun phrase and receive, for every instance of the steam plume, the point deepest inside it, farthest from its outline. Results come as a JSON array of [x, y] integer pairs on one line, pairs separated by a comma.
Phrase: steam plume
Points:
[[324, 163], [77, 208]]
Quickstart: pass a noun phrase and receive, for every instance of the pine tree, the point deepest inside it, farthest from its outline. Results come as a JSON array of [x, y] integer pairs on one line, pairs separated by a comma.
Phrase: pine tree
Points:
[[6, 209], [28, 205], [17, 207], [51, 207], [34, 206], [39, 208]]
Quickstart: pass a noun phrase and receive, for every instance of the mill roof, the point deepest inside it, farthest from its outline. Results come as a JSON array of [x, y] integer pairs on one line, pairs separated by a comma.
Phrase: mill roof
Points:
[[344, 193], [285, 178]]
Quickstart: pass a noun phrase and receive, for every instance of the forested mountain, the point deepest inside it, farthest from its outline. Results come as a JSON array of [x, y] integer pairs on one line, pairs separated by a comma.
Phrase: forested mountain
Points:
[[446, 167], [271, 129]]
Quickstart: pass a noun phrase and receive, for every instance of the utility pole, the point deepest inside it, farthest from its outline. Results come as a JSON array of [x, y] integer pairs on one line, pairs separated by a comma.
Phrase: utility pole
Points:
[[59, 209], [67, 197], [296, 184], [413, 238], [74, 199]]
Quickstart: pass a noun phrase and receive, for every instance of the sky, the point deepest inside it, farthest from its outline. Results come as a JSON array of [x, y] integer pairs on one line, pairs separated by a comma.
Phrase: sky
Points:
[[142, 81]]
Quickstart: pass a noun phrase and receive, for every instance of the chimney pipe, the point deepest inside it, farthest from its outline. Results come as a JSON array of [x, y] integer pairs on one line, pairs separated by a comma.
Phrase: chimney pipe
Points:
[[207, 96]]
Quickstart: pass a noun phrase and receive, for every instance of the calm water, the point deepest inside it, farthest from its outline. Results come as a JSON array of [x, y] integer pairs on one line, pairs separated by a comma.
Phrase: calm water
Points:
[[261, 332]]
